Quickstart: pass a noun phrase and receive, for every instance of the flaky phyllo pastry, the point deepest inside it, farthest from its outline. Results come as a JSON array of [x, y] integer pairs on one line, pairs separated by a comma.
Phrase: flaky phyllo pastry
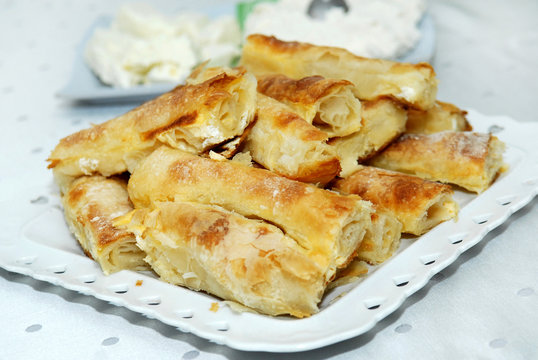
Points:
[[206, 247], [383, 120], [285, 143], [91, 203], [327, 225], [467, 159], [381, 239], [327, 103], [442, 116], [251, 184], [417, 203], [323, 228], [411, 84], [192, 118]]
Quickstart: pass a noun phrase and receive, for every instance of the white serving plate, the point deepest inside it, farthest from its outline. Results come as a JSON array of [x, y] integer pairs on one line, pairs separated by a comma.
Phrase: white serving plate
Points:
[[37, 243], [84, 86]]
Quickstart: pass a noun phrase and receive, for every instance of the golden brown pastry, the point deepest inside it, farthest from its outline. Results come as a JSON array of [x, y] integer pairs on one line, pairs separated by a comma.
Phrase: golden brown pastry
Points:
[[383, 120], [327, 103], [285, 143], [205, 247], [379, 244], [382, 238], [351, 273], [440, 117], [91, 203], [193, 118], [417, 203], [202, 73], [467, 159], [413, 84], [327, 225]]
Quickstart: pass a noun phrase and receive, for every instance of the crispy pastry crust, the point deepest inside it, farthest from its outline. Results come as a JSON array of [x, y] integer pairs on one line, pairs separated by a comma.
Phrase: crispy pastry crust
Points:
[[327, 103], [91, 204], [190, 117], [285, 143], [417, 203], [383, 120], [413, 84], [327, 225], [382, 238], [440, 117], [467, 159], [208, 248]]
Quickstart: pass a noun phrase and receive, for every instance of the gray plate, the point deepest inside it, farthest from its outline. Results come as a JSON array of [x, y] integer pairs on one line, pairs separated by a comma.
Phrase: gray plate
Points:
[[84, 86]]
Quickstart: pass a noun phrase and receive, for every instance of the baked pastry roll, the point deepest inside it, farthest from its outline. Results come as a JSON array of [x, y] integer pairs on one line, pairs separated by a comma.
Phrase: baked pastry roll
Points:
[[193, 118], [285, 143], [379, 244], [91, 203], [327, 103], [417, 203], [329, 226], [440, 117], [413, 84], [383, 120], [467, 159], [381, 239], [205, 247]]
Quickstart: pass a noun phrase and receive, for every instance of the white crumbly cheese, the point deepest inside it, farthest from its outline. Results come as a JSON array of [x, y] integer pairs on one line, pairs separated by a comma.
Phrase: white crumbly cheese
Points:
[[211, 135], [371, 28], [88, 166], [407, 93], [124, 60], [189, 275], [215, 156], [143, 46]]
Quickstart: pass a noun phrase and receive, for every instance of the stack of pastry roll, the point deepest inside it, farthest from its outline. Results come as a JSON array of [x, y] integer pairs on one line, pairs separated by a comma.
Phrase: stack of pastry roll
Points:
[[193, 117], [414, 85], [386, 89], [165, 186], [414, 109], [395, 99], [241, 233], [295, 120], [316, 231]]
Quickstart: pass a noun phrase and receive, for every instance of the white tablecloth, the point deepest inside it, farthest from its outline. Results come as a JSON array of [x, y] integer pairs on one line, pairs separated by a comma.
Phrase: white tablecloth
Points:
[[483, 306]]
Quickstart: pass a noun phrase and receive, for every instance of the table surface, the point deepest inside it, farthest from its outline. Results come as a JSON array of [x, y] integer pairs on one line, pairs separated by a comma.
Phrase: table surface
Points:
[[485, 305]]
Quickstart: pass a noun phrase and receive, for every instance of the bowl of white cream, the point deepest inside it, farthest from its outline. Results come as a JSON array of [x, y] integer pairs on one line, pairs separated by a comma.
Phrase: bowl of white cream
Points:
[[387, 29]]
